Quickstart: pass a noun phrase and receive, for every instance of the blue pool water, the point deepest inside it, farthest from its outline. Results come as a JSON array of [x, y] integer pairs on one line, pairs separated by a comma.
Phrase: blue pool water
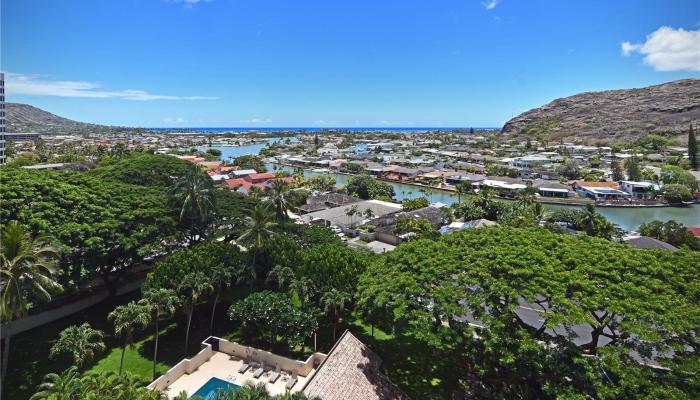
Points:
[[208, 390]]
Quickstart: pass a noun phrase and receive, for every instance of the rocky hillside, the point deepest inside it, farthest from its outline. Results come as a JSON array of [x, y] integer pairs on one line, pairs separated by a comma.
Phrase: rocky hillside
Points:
[[26, 118], [614, 115]]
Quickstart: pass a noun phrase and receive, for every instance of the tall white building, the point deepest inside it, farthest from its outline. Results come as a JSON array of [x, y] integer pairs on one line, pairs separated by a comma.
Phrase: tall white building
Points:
[[2, 118]]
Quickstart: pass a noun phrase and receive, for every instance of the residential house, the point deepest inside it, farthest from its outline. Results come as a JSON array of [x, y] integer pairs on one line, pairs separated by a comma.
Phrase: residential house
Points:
[[600, 191], [639, 190]]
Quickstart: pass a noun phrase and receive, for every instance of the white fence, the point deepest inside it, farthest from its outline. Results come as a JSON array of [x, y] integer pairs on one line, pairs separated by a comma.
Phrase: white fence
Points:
[[187, 366]]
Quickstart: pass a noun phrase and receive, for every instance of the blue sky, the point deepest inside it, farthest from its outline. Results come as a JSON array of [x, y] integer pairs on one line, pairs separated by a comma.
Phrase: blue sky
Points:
[[334, 63]]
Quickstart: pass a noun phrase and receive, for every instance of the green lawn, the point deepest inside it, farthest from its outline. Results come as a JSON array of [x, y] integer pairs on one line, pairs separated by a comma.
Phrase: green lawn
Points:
[[410, 364]]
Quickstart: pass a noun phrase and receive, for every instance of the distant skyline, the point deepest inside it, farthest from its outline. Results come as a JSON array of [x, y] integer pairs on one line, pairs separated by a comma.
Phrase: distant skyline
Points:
[[361, 63]]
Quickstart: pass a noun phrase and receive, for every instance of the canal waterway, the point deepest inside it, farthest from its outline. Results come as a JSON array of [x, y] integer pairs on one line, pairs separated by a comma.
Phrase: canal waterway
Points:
[[626, 218]]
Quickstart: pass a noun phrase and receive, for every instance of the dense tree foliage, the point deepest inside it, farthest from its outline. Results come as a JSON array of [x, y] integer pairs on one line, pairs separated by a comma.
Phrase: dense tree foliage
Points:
[[674, 174], [366, 187], [103, 226], [142, 169], [670, 232], [272, 316], [202, 257], [250, 162], [416, 228], [414, 204], [322, 183], [70, 385], [570, 169], [588, 296], [676, 193]]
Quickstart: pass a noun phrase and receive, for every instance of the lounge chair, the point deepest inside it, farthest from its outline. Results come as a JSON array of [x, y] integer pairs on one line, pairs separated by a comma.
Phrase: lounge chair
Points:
[[275, 375], [245, 366], [258, 372], [292, 381]]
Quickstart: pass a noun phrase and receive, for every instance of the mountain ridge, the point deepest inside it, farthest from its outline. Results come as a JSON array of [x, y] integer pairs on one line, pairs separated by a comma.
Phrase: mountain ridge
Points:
[[23, 118], [620, 115]]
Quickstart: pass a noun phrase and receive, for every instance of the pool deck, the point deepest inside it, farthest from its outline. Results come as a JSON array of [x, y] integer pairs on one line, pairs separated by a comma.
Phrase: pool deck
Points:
[[224, 366]]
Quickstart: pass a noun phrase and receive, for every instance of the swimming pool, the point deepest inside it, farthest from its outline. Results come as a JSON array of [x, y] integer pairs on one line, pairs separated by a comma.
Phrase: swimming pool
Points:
[[208, 390]]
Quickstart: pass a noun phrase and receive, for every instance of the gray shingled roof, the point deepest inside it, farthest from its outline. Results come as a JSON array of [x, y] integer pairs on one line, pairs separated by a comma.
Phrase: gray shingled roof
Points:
[[646, 242]]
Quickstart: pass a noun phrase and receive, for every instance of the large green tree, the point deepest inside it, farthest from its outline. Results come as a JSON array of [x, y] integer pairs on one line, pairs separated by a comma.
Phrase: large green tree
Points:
[[272, 316], [105, 227], [250, 162], [366, 187], [518, 316]]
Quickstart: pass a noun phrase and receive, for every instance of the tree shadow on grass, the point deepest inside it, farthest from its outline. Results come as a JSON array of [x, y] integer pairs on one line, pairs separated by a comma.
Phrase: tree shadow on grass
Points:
[[410, 364]]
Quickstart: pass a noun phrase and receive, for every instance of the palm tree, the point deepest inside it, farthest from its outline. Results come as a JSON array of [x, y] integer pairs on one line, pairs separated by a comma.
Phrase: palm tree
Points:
[[161, 303], [126, 320], [463, 188], [82, 342], [334, 302], [588, 219], [221, 277], [65, 385], [278, 197], [193, 287], [26, 265], [281, 274], [195, 194], [294, 396], [350, 212], [303, 287], [251, 391], [259, 225]]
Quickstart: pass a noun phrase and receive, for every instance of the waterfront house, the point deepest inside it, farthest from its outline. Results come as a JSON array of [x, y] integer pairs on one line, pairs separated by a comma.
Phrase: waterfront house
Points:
[[600, 191], [338, 216], [639, 190], [550, 188], [464, 177], [503, 185]]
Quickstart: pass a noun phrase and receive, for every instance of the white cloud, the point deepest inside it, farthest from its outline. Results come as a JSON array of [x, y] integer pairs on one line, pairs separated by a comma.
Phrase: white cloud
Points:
[[668, 49], [171, 120], [20, 84], [490, 4], [255, 121]]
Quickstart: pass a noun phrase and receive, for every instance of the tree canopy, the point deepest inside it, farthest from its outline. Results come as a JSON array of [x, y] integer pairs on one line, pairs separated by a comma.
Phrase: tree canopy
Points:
[[142, 169], [588, 296], [202, 257], [104, 226], [366, 187], [273, 315]]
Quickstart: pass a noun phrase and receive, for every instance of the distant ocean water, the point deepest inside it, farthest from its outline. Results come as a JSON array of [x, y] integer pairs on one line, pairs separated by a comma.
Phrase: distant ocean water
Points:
[[311, 129]]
